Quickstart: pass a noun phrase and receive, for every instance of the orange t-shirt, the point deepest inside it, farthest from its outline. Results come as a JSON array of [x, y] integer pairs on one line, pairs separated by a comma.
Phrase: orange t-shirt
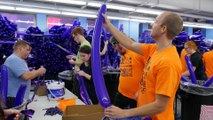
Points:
[[183, 61], [131, 71], [162, 74], [208, 62]]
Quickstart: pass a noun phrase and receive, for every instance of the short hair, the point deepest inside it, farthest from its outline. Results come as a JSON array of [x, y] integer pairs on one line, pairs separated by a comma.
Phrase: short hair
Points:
[[113, 41], [174, 24], [85, 49], [19, 43], [78, 30]]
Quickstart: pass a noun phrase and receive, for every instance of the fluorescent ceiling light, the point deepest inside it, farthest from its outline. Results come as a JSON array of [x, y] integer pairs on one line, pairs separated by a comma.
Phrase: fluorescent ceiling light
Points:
[[112, 6], [79, 14], [73, 2], [119, 7], [37, 10], [3, 7], [198, 25], [142, 20], [148, 11], [118, 18], [95, 4], [22, 21]]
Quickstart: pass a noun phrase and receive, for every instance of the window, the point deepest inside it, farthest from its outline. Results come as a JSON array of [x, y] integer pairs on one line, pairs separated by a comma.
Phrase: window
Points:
[[51, 21], [23, 21]]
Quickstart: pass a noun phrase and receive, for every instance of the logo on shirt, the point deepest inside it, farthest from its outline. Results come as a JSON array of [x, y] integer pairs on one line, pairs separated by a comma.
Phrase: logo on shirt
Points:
[[146, 70], [126, 66]]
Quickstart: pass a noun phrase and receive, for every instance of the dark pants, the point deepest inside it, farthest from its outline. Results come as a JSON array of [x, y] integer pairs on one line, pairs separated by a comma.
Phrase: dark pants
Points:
[[76, 88], [124, 102]]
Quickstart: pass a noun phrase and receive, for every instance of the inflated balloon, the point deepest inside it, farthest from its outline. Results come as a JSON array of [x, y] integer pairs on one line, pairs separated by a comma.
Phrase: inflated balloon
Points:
[[121, 28], [7, 42], [83, 91], [97, 74], [184, 79], [4, 85], [208, 82], [191, 71]]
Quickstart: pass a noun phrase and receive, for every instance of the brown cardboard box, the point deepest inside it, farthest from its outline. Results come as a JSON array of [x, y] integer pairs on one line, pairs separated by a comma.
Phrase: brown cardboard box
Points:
[[83, 112], [42, 90]]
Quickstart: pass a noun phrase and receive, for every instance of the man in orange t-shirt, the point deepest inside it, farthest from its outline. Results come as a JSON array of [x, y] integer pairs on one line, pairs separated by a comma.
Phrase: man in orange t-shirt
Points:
[[131, 70], [162, 70], [208, 62]]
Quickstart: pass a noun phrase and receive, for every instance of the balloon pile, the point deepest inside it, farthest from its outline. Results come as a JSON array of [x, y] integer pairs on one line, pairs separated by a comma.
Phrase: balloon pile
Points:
[[7, 36], [201, 42], [7, 29], [111, 53], [180, 40]]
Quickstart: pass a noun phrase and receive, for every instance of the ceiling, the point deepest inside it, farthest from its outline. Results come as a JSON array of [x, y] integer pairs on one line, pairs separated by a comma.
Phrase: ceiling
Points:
[[190, 10]]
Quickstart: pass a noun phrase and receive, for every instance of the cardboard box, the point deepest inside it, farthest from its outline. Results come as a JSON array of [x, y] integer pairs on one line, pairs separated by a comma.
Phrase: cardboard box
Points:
[[83, 112], [42, 90]]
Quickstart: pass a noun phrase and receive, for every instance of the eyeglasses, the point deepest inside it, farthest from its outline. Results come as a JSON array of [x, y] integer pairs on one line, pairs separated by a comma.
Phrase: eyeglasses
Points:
[[114, 43]]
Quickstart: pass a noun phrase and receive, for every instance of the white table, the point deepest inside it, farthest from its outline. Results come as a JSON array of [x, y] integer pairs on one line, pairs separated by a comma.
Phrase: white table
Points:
[[41, 102]]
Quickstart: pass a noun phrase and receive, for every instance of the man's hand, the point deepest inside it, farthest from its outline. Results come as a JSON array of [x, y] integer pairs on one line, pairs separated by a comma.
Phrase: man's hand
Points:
[[106, 21], [41, 71], [114, 112]]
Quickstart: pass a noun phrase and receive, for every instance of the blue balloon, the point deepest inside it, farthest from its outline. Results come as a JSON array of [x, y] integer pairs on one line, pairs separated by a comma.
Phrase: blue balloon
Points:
[[191, 71], [97, 74]]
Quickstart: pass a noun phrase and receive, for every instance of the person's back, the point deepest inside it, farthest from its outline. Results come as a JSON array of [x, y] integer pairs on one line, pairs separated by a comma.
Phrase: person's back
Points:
[[208, 62]]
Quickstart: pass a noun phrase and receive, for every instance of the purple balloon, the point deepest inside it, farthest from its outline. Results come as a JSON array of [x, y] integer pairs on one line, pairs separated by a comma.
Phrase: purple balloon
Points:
[[4, 84], [208, 82], [184, 79], [83, 91], [191, 71], [7, 42], [121, 28], [97, 74]]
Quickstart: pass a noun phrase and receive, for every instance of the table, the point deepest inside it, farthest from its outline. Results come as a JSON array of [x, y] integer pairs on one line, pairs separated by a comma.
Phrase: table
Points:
[[41, 102]]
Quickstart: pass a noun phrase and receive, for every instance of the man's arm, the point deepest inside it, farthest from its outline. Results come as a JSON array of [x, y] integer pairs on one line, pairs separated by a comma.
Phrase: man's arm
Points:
[[156, 107], [105, 48], [121, 38], [33, 74], [75, 63]]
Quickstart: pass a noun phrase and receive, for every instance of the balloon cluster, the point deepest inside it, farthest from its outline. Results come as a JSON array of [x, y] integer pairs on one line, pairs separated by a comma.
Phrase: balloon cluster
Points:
[[180, 40], [201, 42], [145, 37], [111, 53], [7, 36], [7, 29]]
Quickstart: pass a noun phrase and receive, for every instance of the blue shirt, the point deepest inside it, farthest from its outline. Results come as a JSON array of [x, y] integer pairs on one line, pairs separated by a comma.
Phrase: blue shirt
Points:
[[16, 67]]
